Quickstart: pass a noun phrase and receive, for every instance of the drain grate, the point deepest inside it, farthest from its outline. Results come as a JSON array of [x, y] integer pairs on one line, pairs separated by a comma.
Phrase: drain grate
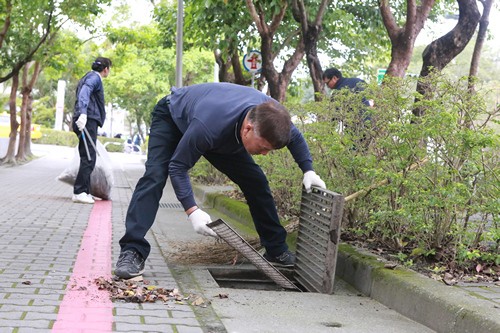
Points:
[[318, 238], [170, 205], [224, 231]]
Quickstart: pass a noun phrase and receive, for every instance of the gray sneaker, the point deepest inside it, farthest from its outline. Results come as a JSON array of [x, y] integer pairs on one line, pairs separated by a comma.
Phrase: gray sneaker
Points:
[[286, 259], [130, 264]]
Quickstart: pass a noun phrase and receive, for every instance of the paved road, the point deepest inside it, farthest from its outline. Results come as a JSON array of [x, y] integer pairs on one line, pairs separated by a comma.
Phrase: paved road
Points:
[[52, 251]]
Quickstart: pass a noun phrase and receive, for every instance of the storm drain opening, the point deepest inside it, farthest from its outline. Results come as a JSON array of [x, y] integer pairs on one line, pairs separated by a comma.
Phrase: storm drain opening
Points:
[[246, 276], [317, 245]]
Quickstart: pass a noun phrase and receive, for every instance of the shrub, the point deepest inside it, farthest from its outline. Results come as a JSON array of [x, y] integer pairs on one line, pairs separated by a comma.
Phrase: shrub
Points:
[[428, 186]]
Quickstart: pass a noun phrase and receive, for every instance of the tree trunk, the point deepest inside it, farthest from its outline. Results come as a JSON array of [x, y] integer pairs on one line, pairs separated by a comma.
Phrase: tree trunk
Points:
[[481, 37], [14, 125], [29, 122], [223, 67], [278, 82], [403, 39], [310, 33], [238, 71], [25, 131], [234, 62], [443, 50]]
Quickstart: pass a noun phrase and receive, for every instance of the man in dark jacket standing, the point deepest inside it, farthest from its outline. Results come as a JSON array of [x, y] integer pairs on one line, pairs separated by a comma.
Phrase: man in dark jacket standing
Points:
[[89, 114], [227, 124]]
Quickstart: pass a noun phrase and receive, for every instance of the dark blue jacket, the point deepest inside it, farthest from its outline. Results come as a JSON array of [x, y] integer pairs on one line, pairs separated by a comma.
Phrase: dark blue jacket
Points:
[[354, 84], [210, 116], [90, 98]]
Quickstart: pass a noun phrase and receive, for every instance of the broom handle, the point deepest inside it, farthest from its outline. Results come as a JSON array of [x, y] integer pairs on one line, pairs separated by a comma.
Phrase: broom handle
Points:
[[90, 140], [384, 181], [86, 146]]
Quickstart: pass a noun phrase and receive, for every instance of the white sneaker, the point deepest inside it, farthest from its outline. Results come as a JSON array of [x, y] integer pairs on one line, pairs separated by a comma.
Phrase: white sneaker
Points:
[[83, 198]]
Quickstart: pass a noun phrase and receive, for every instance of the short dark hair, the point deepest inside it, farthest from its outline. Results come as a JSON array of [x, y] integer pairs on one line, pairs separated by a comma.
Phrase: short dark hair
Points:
[[100, 63], [331, 72], [272, 122]]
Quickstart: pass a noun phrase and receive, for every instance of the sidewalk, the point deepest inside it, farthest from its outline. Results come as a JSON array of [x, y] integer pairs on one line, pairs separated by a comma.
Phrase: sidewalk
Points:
[[41, 238]]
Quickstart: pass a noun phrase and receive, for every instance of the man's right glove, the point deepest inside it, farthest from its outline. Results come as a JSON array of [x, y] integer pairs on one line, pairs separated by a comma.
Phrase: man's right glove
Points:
[[199, 220], [81, 122]]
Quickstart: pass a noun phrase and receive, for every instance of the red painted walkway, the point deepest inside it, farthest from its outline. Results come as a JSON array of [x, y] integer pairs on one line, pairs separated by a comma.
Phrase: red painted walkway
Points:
[[84, 307]]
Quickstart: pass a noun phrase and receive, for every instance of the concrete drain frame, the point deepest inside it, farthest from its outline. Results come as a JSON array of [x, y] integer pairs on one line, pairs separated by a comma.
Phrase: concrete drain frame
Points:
[[317, 246]]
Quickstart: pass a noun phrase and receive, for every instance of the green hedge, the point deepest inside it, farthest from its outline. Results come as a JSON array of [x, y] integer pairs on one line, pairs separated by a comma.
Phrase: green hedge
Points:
[[63, 138]]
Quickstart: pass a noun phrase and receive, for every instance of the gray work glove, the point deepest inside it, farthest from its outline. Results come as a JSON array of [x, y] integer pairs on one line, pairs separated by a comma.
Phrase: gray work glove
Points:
[[81, 122], [199, 219], [310, 179]]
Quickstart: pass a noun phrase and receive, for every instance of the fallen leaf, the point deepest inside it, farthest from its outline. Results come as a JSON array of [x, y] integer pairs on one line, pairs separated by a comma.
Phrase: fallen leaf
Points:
[[199, 301], [449, 280], [390, 266]]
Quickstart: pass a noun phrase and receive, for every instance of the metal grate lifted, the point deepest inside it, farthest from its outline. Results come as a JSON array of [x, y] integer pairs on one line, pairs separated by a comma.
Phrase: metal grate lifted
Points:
[[224, 231], [317, 243]]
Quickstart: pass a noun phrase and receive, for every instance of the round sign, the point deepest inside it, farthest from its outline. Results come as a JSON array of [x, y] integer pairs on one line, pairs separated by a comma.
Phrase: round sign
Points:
[[253, 61]]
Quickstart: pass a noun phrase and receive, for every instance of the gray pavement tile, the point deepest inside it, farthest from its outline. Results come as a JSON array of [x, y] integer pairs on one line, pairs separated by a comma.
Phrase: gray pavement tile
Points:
[[160, 328], [35, 323], [171, 321], [188, 329]]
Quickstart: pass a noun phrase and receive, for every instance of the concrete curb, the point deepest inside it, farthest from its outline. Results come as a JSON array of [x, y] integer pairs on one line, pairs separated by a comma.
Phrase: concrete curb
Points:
[[428, 302]]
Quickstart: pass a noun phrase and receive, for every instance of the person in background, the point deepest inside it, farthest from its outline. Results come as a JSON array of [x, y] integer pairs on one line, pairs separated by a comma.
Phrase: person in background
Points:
[[227, 124], [333, 79], [89, 114]]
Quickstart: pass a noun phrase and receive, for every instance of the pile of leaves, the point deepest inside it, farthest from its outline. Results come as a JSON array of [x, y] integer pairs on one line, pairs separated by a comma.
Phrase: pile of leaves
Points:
[[141, 292]]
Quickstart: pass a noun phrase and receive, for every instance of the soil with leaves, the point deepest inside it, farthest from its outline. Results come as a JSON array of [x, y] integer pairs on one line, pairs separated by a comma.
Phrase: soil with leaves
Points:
[[439, 267]]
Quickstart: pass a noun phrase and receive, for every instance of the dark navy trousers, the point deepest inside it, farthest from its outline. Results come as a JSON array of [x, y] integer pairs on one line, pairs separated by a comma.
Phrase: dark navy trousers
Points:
[[240, 168], [82, 181]]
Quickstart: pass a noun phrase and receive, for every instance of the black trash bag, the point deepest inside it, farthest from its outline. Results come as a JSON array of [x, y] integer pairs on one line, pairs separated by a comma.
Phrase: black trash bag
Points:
[[101, 179]]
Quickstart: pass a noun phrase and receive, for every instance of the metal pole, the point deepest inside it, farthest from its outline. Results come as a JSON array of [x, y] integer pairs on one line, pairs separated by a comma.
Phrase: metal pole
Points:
[[179, 42]]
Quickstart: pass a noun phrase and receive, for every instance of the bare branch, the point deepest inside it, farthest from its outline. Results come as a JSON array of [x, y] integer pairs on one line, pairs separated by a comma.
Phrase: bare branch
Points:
[[389, 21], [255, 17]]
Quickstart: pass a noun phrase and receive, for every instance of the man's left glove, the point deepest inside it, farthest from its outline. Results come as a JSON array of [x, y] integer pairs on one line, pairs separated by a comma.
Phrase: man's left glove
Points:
[[310, 179], [81, 122]]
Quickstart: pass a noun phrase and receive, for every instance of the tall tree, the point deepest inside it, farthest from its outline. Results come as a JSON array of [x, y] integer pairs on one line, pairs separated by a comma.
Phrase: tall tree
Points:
[[443, 50], [27, 25], [403, 37], [274, 14]]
